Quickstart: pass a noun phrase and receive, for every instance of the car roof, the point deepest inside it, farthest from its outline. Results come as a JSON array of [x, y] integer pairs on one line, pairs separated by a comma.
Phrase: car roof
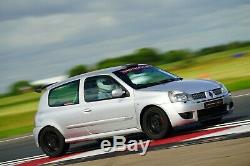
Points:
[[92, 73]]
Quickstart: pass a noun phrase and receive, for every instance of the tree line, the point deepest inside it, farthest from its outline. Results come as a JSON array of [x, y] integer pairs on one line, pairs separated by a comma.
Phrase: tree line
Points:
[[143, 55]]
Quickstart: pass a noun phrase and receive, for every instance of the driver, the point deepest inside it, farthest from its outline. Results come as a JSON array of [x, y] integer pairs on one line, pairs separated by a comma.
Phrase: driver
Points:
[[105, 87]]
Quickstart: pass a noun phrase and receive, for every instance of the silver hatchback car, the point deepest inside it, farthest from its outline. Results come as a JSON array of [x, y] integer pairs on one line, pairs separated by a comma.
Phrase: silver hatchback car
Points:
[[123, 100]]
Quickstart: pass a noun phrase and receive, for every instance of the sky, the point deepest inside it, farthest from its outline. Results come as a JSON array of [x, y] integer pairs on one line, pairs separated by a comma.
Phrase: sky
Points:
[[44, 38]]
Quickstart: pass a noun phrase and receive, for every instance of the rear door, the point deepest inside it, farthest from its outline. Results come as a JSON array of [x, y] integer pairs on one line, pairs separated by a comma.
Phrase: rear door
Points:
[[66, 109]]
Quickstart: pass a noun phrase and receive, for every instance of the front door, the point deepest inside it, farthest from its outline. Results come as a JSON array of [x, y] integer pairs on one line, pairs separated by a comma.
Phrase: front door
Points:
[[105, 112]]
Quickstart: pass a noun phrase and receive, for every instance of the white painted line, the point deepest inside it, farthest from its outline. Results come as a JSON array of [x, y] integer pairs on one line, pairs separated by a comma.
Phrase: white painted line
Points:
[[235, 130], [14, 139], [26, 158], [23, 159], [236, 122], [93, 153], [20, 161], [247, 94], [83, 155], [229, 124]]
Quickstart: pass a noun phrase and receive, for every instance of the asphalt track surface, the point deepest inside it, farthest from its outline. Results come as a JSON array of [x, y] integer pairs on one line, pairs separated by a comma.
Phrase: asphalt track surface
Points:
[[25, 147]]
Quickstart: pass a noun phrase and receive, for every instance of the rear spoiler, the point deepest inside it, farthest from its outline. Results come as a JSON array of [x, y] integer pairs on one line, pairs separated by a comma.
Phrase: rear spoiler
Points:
[[40, 88]]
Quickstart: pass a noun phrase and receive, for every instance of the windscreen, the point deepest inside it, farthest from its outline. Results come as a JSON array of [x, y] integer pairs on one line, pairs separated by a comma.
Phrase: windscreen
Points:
[[142, 76]]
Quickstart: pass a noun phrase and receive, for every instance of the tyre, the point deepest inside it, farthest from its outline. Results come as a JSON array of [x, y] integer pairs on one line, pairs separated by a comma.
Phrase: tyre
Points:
[[155, 123], [211, 122], [52, 142]]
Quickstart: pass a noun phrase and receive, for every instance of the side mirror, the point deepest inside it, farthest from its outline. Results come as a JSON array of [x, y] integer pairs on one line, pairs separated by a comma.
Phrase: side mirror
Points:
[[117, 93]]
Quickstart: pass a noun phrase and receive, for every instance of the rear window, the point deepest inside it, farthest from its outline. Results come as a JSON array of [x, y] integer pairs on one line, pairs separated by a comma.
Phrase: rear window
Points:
[[67, 94]]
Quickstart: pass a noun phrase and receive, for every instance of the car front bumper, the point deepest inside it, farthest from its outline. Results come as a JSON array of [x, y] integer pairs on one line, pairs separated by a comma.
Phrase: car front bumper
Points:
[[180, 113]]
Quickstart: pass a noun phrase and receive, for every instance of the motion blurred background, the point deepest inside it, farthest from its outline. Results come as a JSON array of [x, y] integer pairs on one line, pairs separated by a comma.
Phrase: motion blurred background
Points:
[[44, 41]]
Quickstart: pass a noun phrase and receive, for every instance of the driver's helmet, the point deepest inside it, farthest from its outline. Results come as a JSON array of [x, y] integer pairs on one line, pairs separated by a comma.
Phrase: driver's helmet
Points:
[[105, 84]]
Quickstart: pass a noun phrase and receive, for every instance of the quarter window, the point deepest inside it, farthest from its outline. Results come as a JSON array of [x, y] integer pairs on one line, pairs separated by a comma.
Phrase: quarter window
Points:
[[100, 88], [67, 94]]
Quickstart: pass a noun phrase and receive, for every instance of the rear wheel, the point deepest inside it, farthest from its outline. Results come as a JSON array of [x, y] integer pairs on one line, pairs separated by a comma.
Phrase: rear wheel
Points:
[[155, 123], [52, 142]]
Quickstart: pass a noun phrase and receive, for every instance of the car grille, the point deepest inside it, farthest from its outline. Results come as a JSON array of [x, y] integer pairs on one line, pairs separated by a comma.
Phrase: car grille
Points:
[[202, 95], [197, 96], [212, 112], [217, 91]]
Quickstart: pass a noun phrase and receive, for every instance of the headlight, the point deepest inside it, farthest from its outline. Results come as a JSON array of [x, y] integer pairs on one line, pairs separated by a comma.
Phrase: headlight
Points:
[[177, 96], [223, 88]]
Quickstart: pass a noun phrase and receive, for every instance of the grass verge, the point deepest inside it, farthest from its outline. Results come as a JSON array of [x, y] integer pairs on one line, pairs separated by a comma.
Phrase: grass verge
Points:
[[238, 83], [16, 131]]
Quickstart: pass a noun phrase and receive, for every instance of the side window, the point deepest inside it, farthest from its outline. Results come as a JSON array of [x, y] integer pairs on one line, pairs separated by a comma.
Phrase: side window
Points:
[[67, 94], [99, 88]]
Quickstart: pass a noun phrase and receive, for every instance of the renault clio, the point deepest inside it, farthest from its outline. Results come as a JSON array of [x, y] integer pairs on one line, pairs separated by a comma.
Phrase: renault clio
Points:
[[123, 100]]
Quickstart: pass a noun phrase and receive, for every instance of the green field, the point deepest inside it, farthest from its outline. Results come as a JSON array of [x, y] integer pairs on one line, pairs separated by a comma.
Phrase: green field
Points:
[[223, 67], [17, 112]]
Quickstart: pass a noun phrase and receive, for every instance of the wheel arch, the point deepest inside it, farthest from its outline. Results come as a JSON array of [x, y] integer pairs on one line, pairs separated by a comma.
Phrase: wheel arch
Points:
[[150, 106]]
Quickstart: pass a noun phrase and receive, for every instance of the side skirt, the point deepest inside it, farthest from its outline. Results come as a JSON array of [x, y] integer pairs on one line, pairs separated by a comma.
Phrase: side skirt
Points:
[[102, 135]]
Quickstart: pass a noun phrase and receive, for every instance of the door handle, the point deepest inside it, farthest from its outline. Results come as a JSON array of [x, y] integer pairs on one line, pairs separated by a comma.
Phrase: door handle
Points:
[[87, 110]]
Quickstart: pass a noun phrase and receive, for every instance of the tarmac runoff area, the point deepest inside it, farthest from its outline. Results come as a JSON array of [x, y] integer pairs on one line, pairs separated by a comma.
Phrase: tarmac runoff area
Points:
[[235, 152]]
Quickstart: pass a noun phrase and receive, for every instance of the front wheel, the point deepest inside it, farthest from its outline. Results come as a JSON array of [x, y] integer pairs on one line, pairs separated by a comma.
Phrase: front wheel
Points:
[[52, 142], [155, 123]]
